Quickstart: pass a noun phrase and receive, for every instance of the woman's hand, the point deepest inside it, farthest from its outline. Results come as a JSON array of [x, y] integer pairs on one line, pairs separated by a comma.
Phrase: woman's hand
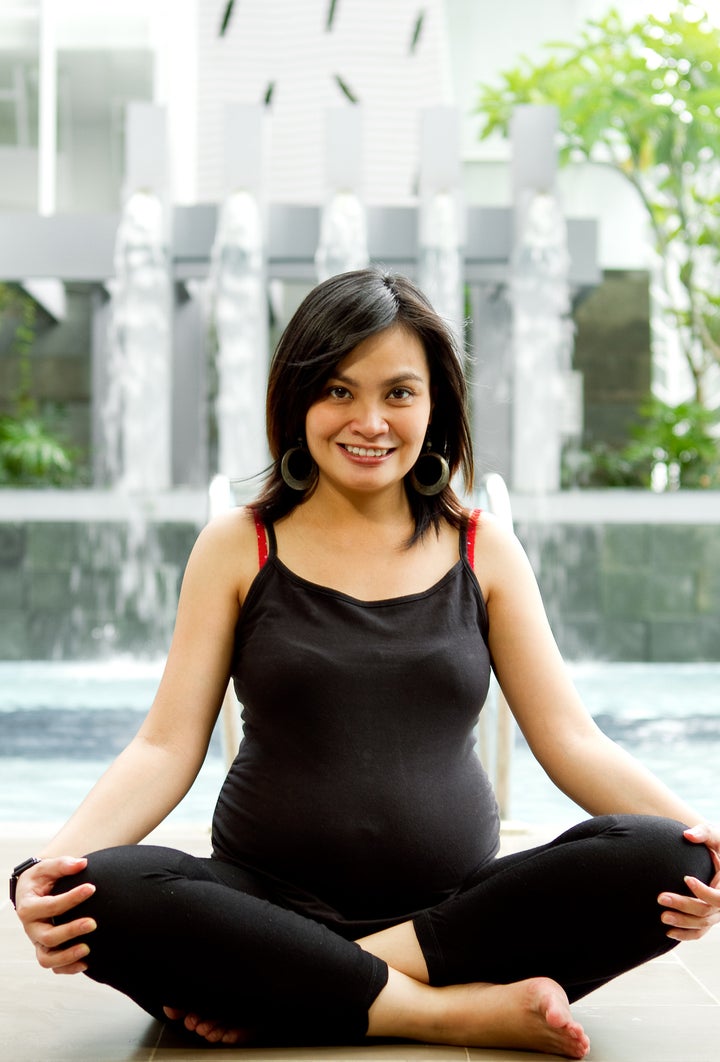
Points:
[[692, 916], [37, 907]]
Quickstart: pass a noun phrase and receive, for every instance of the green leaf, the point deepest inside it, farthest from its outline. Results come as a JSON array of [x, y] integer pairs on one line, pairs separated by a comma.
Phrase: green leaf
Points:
[[345, 89], [417, 32], [226, 17]]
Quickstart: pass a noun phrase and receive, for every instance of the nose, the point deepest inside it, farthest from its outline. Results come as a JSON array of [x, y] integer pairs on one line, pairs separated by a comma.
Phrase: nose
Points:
[[369, 420]]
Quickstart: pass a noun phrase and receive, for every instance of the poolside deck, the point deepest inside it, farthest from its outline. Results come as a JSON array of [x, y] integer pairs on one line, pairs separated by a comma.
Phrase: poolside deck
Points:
[[669, 1011]]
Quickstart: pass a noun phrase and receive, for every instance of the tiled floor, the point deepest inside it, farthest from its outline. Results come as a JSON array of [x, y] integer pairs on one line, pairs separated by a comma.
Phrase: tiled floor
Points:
[[669, 1011]]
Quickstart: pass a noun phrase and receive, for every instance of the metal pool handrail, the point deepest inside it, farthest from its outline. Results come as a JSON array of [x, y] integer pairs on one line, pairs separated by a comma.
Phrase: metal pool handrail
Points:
[[497, 502], [221, 500]]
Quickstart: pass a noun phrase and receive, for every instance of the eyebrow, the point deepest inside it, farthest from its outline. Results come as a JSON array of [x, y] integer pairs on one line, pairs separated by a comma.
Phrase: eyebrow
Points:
[[402, 377]]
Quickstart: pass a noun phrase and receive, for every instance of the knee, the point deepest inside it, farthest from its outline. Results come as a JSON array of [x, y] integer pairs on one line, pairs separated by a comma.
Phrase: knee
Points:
[[664, 852], [106, 871]]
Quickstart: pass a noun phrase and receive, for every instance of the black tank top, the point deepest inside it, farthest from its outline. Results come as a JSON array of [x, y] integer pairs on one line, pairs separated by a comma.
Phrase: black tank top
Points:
[[357, 791]]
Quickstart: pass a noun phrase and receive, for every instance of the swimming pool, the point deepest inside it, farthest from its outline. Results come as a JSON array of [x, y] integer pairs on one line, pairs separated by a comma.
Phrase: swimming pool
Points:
[[62, 723]]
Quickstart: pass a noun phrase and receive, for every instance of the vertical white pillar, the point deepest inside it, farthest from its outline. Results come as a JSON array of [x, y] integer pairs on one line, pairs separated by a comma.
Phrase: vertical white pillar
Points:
[[138, 412], [47, 107], [542, 329], [343, 223], [239, 299], [442, 221]]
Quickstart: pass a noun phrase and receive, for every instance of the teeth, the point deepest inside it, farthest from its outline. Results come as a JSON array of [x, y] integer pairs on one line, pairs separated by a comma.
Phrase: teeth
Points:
[[363, 451]]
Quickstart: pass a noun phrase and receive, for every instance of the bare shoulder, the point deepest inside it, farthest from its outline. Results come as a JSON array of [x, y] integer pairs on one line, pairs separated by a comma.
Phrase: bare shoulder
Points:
[[227, 546], [499, 556]]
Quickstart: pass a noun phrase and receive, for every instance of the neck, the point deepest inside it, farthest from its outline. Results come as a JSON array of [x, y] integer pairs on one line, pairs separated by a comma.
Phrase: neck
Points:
[[331, 508]]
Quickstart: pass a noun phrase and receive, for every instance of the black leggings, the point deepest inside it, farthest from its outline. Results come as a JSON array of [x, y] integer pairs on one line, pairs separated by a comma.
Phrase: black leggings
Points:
[[201, 935]]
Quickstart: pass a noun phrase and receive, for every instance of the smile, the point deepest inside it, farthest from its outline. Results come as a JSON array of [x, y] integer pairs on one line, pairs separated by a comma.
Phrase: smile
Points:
[[365, 451]]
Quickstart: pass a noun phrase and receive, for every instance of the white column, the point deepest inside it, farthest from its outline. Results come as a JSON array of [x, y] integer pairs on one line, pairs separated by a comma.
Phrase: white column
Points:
[[343, 223], [239, 299], [442, 218], [545, 391], [139, 399], [47, 106]]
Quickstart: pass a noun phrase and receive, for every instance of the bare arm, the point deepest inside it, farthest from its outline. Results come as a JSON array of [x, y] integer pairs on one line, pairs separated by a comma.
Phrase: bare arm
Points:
[[591, 769], [154, 772], [157, 768]]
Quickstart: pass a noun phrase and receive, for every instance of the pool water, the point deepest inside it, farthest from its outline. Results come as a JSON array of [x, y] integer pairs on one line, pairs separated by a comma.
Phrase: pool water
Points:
[[61, 725], [666, 715]]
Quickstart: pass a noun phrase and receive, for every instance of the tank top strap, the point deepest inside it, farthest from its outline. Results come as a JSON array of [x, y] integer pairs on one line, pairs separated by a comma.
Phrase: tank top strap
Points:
[[470, 536], [265, 539]]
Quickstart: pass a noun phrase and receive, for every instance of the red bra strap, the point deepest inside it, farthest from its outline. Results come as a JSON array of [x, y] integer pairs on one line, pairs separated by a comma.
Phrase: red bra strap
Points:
[[262, 541], [470, 535]]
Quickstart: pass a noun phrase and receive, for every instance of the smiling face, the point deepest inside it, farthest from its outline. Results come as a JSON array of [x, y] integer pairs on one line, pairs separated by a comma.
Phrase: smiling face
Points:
[[368, 426]]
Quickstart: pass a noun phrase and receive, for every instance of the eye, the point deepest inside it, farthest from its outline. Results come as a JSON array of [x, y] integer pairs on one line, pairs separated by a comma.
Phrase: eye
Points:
[[337, 391], [400, 394]]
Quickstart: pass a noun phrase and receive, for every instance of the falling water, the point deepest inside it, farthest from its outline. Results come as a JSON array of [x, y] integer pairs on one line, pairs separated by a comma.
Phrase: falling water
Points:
[[440, 264], [239, 299], [137, 408], [343, 236], [545, 392]]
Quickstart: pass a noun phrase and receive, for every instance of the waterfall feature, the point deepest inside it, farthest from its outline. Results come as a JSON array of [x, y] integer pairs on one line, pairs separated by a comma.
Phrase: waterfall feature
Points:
[[441, 265], [546, 405], [343, 236], [137, 411], [238, 294]]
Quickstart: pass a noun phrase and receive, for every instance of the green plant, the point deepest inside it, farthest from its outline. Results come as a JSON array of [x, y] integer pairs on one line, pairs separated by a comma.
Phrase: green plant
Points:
[[600, 465], [30, 454], [680, 441], [683, 438], [644, 99], [32, 450]]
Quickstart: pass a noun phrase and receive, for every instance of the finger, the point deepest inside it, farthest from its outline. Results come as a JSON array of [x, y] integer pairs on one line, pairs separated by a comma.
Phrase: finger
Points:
[[691, 921], [73, 968], [685, 935], [705, 833], [52, 960], [173, 1013], [685, 904], [49, 936], [42, 908], [43, 876], [707, 893]]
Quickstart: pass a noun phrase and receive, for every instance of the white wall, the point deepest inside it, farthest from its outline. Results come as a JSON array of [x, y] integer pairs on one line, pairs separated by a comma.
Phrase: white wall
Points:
[[285, 41]]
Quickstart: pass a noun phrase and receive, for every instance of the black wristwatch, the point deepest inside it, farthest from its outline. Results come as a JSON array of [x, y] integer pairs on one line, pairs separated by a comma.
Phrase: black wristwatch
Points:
[[20, 869]]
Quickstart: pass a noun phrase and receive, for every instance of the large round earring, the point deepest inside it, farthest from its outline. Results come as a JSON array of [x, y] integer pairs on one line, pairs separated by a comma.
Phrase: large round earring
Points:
[[305, 472], [431, 473]]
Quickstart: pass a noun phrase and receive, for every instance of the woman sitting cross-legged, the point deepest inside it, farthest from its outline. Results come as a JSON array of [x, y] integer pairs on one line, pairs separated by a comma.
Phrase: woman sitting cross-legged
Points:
[[354, 888]]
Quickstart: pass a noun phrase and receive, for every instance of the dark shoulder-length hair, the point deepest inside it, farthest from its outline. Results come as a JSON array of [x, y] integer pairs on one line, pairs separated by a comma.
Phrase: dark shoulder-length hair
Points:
[[331, 321]]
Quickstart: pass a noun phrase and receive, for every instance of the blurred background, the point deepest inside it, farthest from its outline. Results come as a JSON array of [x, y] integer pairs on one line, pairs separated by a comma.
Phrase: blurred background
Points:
[[175, 176]]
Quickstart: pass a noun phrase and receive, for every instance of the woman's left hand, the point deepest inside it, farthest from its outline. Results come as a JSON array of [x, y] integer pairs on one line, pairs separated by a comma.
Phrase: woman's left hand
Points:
[[692, 916]]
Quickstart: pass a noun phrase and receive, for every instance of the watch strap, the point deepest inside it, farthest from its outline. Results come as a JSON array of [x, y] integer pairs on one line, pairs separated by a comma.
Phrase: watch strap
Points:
[[18, 870]]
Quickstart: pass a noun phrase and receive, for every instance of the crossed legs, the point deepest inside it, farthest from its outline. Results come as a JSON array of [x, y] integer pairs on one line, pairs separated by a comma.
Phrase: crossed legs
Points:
[[493, 966]]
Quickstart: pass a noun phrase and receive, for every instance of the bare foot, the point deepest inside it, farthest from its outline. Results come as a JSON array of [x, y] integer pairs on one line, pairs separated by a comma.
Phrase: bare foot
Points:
[[212, 1031], [532, 1015]]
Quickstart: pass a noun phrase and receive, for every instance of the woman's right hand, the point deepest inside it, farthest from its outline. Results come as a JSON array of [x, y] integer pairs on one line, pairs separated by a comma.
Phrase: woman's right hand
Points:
[[36, 908]]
